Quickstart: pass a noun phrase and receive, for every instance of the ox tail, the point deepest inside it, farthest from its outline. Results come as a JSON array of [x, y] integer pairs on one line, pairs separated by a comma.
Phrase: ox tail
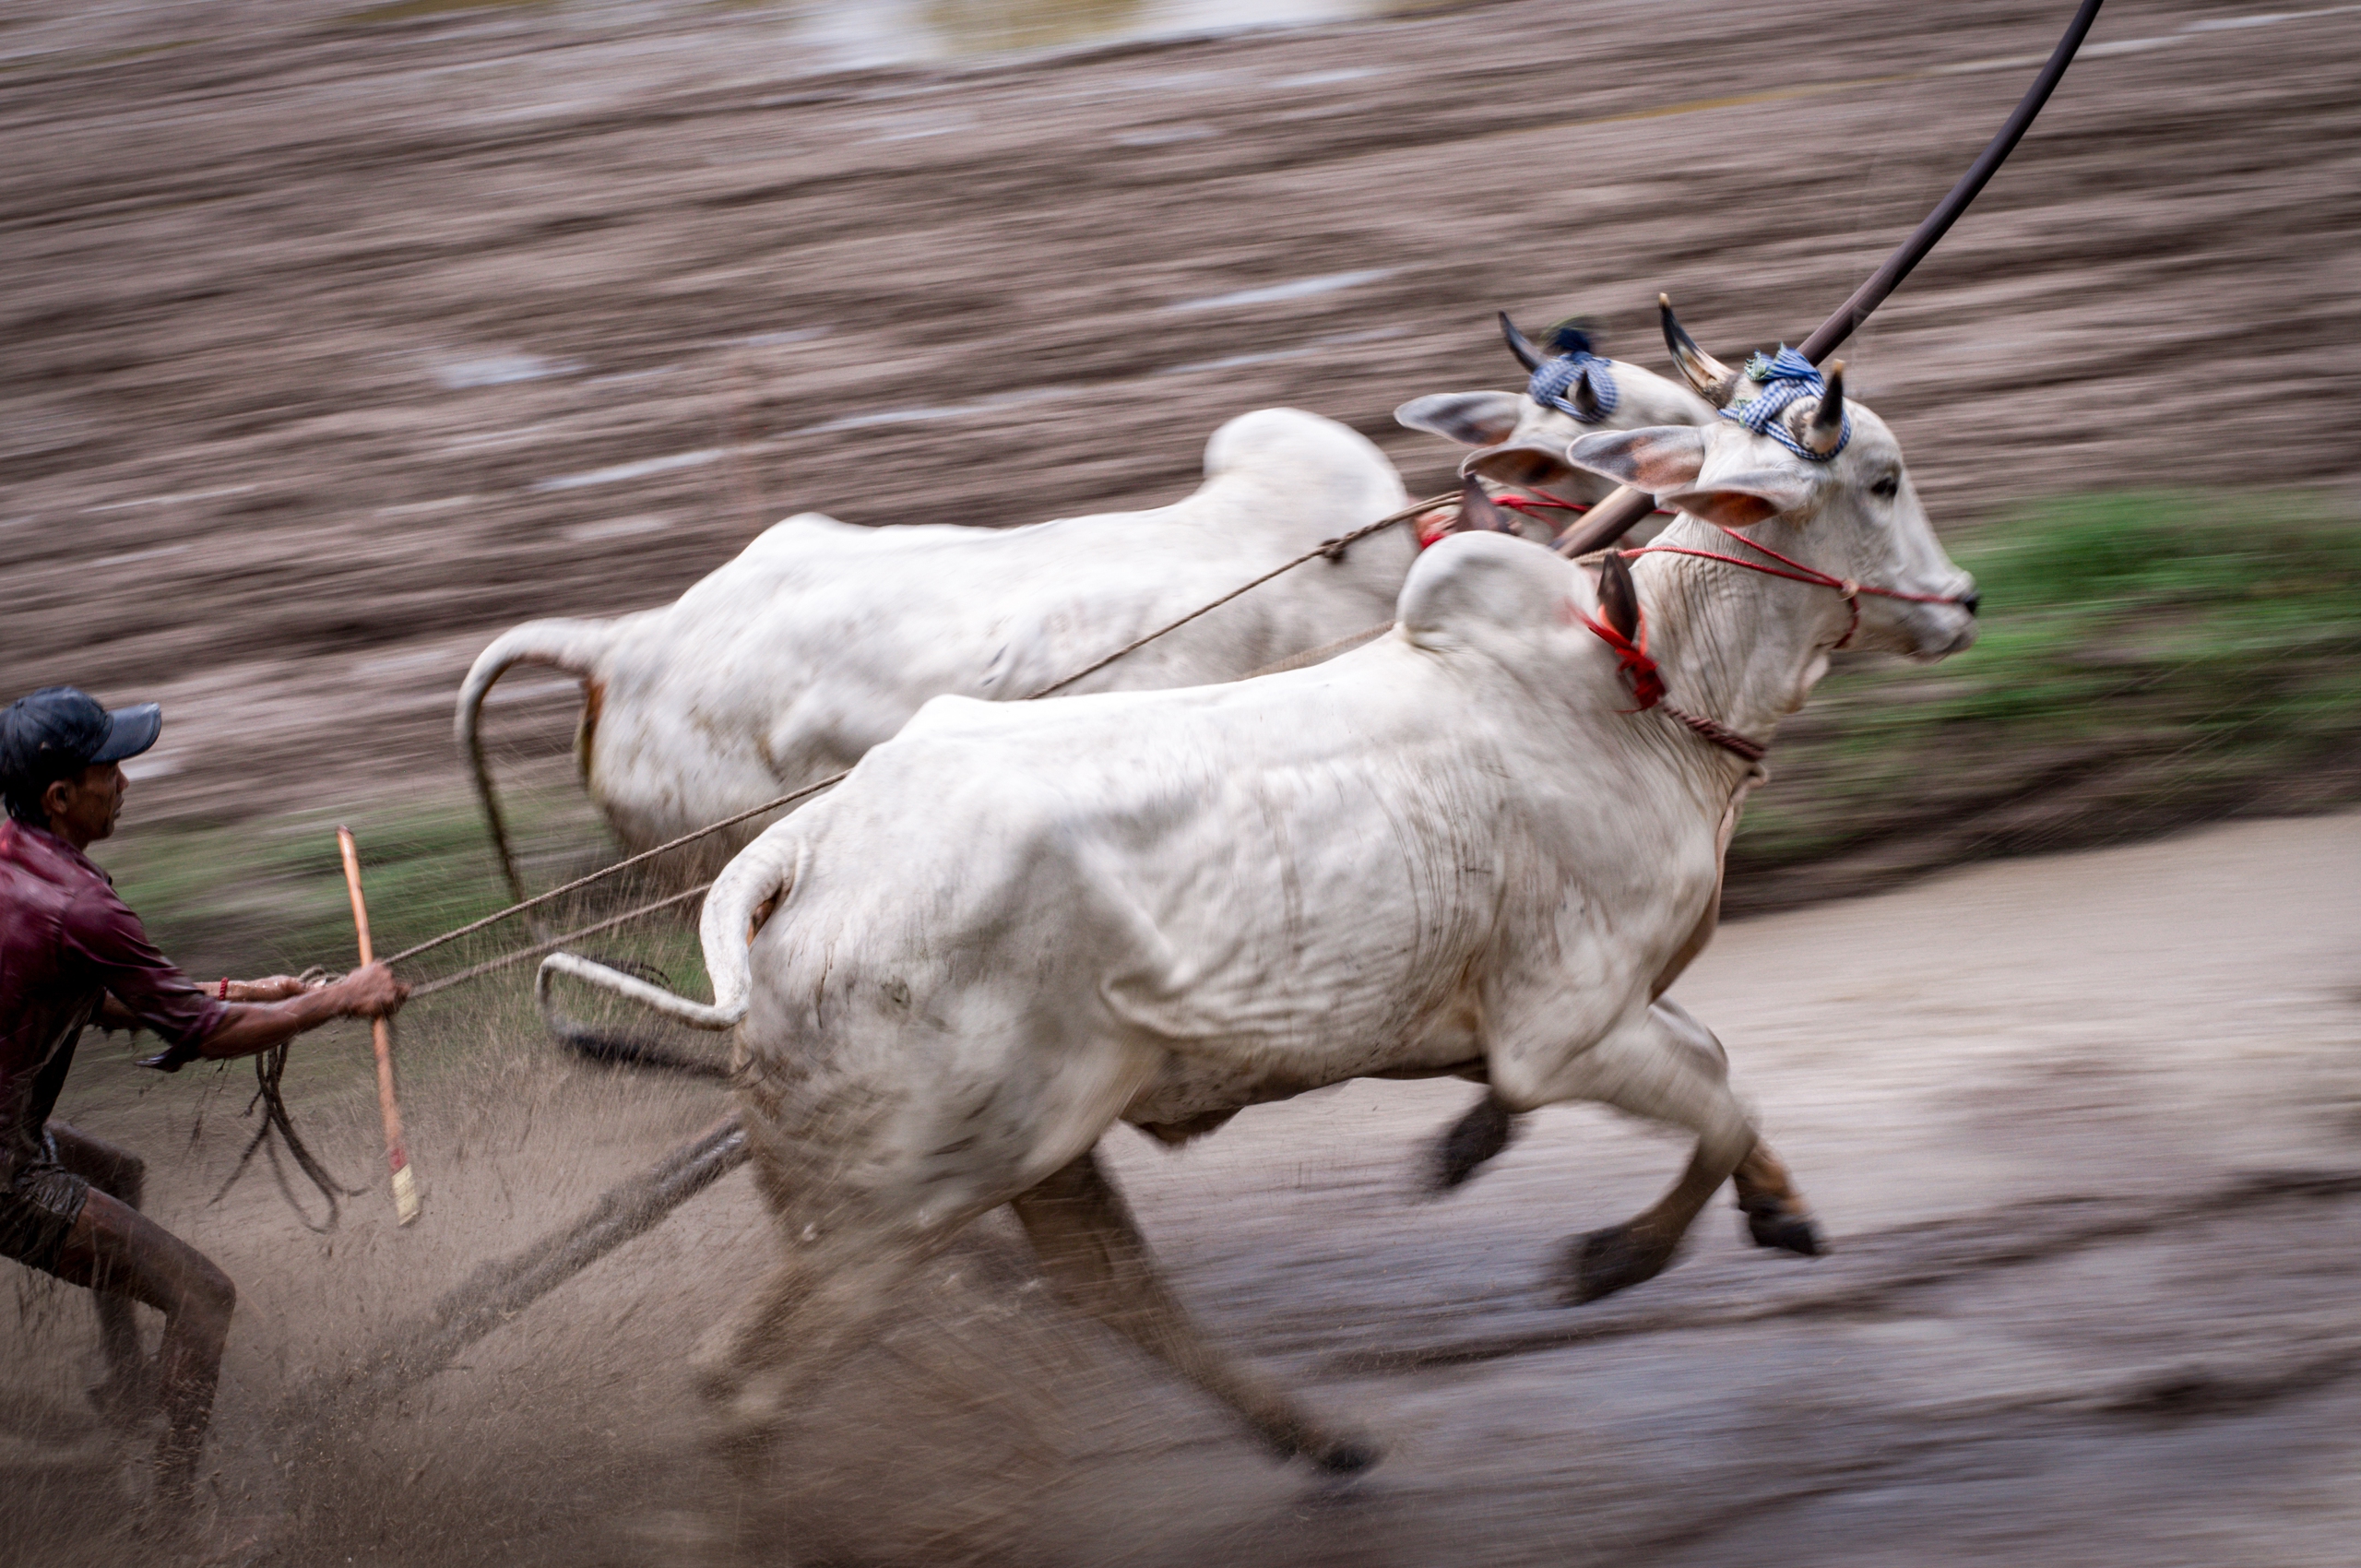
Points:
[[742, 898], [571, 645]]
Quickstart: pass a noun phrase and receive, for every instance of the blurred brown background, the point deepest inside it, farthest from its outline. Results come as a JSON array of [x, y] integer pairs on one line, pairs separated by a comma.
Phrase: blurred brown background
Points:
[[341, 337]]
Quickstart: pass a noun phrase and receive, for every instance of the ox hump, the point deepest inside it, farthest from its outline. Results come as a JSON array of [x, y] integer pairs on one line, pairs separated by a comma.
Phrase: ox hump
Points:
[[1475, 590], [1300, 450]]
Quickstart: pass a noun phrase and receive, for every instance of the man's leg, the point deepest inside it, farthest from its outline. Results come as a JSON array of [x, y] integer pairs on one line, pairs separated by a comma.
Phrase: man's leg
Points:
[[121, 1175], [115, 1249]]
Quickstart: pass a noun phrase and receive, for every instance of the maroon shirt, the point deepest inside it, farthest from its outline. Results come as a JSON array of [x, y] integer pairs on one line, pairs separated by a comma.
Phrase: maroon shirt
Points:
[[67, 939]]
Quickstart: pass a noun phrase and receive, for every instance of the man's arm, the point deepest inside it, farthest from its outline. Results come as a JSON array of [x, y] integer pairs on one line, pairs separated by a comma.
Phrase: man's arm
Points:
[[151, 993], [250, 1026], [113, 1014]]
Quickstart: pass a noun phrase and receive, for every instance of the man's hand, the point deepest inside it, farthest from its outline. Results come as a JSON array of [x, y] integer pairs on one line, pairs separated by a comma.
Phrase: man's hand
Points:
[[371, 991]]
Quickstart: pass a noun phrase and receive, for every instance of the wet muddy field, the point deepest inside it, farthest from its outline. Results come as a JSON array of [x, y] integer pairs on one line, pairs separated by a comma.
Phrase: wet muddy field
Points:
[[2086, 1132], [343, 338]]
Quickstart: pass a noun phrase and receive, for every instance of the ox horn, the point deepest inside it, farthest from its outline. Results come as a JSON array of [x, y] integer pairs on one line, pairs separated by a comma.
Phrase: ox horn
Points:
[[1827, 427], [1520, 345], [1713, 380]]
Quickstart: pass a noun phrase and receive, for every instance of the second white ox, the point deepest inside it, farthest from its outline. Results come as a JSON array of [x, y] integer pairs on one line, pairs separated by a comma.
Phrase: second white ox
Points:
[[1454, 849], [822, 638]]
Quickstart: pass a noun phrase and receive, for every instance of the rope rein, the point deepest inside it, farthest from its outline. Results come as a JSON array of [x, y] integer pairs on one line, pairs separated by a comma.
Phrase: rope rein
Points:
[[1634, 662], [1803, 574], [269, 1067], [1531, 504], [1331, 548]]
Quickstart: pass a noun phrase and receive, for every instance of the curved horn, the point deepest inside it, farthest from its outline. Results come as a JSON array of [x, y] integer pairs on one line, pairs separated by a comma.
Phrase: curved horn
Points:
[[1519, 344], [1713, 380], [1827, 426]]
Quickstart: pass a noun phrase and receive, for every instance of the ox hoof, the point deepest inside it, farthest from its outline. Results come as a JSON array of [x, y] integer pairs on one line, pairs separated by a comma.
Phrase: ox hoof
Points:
[[1785, 1232], [1487, 1129], [1348, 1456], [1610, 1260]]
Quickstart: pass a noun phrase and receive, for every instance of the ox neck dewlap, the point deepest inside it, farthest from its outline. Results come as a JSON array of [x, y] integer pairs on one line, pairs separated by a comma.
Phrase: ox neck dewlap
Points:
[[1788, 377], [1558, 375]]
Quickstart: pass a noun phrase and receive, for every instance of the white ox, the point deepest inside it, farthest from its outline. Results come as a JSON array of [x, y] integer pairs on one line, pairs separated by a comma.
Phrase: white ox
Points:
[[822, 638], [1453, 850]]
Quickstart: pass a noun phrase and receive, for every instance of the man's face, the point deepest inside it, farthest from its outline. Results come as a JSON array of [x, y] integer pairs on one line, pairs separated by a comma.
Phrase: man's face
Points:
[[82, 809]]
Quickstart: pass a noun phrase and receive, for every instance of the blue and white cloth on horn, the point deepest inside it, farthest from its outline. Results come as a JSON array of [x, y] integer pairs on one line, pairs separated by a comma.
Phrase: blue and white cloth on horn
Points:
[[1557, 377], [1786, 376]]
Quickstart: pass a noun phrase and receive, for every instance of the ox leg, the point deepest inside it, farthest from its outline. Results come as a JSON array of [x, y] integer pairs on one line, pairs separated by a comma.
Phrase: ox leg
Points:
[[1488, 1128], [1776, 1215], [1096, 1258], [809, 1314], [816, 1308], [1662, 1067]]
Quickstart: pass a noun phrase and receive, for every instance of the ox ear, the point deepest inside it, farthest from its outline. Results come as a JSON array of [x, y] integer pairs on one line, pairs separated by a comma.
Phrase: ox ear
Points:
[[1535, 465], [1472, 419], [1658, 459], [1737, 501]]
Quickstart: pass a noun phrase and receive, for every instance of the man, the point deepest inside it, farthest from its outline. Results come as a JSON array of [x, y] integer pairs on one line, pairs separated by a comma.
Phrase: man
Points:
[[71, 953]]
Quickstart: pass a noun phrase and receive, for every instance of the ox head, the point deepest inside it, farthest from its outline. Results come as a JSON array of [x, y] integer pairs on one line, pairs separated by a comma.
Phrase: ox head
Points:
[[1821, 475], [1519, 437]]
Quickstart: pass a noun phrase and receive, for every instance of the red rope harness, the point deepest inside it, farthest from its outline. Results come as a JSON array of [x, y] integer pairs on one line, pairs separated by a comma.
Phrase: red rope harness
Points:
[[1448, 523], [1647, 680], [1632, 658], [1532, 504], [1803, 574], [1632, 661]]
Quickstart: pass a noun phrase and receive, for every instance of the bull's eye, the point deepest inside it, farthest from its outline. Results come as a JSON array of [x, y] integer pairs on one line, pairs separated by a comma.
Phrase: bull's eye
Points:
[[1886, 488]]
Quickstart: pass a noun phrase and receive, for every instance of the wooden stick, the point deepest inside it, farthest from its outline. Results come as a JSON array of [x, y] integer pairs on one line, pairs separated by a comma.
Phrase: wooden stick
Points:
[[381, 1031], [498, 1290]]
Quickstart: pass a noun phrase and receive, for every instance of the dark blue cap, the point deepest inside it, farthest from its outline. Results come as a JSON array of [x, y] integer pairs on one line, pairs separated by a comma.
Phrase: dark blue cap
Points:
[[59, 731]]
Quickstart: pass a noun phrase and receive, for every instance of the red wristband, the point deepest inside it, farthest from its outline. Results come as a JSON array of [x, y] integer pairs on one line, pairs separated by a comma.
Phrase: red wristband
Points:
[[222, 993]]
